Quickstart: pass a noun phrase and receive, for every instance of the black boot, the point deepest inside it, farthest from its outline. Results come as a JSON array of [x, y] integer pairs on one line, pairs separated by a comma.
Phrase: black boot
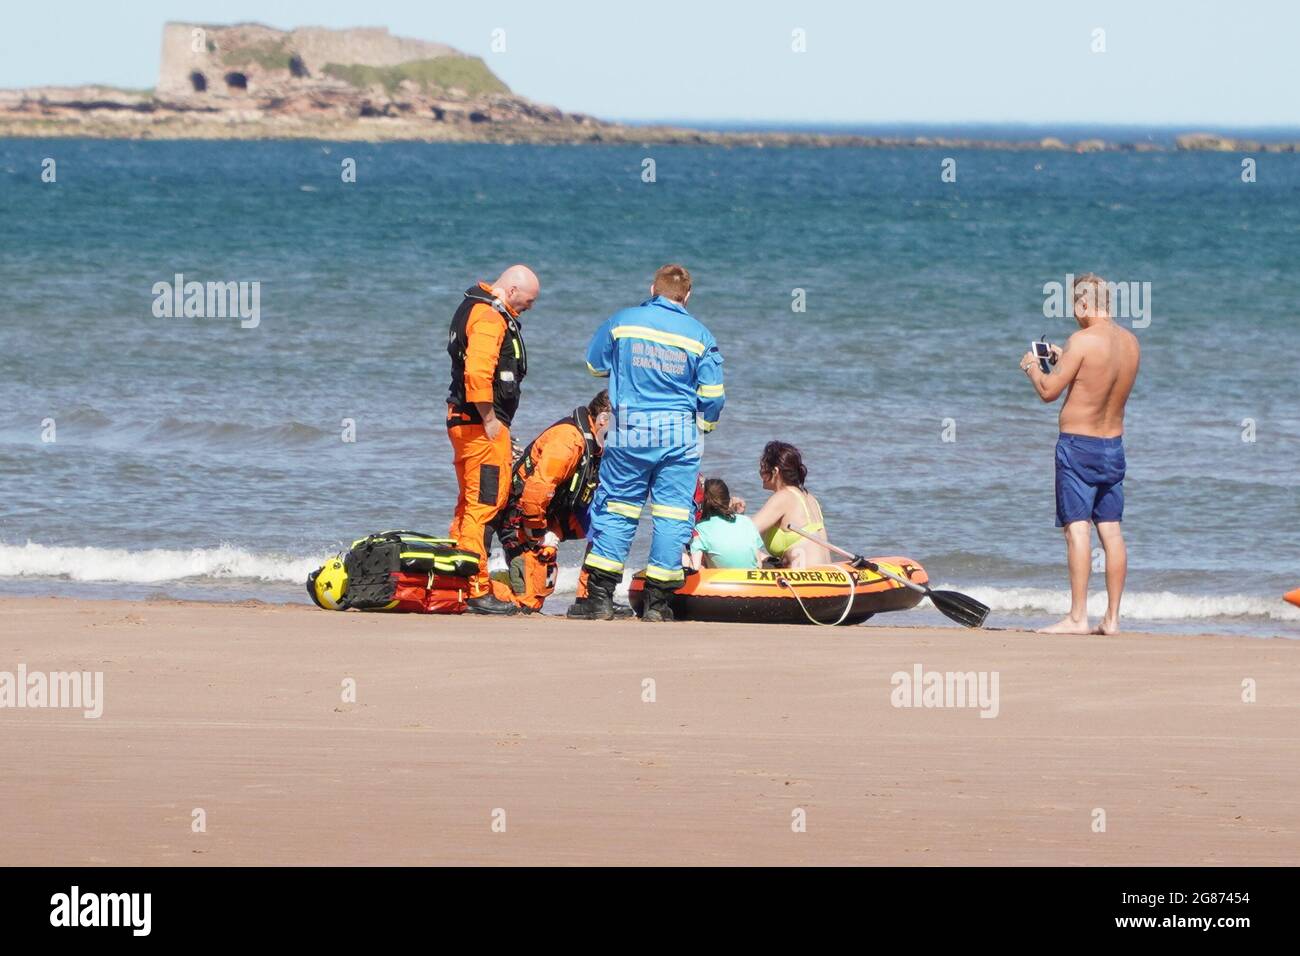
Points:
[[599, 603], [490, 604], [580, 610], [658, 607]]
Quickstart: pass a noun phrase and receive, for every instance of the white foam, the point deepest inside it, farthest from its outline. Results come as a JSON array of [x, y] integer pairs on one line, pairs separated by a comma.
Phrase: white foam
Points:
[[1139, 605], [151, 566], [227, 562], [158, 565]]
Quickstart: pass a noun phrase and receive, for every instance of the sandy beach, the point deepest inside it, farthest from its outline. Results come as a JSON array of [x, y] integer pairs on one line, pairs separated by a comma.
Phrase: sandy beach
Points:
[[541, 726]]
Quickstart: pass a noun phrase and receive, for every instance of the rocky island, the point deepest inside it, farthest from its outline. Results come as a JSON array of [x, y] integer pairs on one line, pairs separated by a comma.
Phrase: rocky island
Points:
[[250, 81]]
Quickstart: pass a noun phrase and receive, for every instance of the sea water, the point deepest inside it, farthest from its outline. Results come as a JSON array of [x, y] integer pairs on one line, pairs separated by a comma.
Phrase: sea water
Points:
[[870, 309]]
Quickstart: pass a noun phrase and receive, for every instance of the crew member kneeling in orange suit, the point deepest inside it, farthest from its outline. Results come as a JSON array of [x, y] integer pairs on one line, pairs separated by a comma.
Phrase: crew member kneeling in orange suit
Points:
[[551, 489], [488, 364]]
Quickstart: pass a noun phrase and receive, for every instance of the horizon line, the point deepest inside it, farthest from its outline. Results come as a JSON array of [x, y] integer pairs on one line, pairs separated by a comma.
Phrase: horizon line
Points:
[[1162, 126]]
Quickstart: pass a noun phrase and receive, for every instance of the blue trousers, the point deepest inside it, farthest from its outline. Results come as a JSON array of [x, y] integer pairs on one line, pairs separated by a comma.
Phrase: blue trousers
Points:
[[628, 475]]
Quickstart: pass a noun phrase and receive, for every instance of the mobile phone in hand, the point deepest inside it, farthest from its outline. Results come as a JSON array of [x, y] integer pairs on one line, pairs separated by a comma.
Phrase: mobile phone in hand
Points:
[[1043, 352]]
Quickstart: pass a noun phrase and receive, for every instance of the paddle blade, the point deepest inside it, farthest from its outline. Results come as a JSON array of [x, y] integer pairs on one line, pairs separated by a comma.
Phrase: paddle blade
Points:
[[962, 608]]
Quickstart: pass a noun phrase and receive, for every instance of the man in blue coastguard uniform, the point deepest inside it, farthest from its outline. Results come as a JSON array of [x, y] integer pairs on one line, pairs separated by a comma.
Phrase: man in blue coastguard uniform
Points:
[[665, 386]]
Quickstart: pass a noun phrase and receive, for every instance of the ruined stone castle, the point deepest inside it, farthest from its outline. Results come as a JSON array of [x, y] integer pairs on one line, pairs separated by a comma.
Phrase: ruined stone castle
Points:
[[314, 73], [251, 58]]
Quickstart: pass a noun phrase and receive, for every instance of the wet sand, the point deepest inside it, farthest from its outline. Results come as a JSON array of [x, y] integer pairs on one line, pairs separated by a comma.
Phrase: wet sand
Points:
[[530, 742]]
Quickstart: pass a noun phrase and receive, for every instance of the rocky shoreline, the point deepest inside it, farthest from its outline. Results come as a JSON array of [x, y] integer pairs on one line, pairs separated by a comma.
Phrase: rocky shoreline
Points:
[[344, 114]]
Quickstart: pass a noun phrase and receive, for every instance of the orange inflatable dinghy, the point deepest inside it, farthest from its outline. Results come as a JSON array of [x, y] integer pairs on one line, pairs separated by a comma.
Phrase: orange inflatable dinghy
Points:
[[827, 594], [1292, 597]]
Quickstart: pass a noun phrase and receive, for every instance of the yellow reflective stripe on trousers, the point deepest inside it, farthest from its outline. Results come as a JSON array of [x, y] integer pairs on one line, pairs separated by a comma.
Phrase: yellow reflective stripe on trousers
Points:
[[596, 372], [668, 511], [623, 508], [705, 426], [661, 338], [656, 573], [710, 391], [602, 564]]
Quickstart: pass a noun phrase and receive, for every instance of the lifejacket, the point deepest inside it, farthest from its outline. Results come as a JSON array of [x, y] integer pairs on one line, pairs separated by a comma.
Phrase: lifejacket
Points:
[[576, 495], [512, 362]]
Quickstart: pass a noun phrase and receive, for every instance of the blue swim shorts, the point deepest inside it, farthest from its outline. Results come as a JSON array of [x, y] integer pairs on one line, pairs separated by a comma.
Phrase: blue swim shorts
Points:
[[1089, 479]]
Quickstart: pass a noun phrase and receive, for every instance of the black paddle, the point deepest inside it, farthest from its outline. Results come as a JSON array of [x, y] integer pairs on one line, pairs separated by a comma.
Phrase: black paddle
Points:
[[962, 608]]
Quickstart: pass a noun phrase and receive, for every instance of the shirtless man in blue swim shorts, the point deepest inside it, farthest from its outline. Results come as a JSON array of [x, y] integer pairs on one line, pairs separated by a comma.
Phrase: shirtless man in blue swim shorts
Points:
[[1096, 371]]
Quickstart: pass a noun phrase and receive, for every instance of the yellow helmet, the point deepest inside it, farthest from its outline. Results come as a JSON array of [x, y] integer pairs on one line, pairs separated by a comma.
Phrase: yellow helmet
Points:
[[328, 585]]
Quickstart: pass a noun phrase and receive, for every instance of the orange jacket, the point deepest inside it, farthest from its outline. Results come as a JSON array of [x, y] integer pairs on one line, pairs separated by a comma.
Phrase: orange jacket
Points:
[[556, 454]]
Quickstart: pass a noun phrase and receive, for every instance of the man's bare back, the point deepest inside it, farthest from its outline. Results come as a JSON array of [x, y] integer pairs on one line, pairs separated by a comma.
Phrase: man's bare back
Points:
[[1096, 372], [1109, 358]]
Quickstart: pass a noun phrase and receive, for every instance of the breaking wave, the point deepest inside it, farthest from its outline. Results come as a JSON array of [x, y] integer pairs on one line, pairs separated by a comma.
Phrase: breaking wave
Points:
[[1140, 605], [159, 565], [151, 566], [231, 563]]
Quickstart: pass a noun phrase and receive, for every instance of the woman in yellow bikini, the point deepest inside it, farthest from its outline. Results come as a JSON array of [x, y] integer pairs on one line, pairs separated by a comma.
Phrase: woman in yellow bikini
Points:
[[782, 469]]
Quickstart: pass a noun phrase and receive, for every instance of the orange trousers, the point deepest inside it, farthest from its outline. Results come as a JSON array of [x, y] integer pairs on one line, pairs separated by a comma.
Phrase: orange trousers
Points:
[[483, 474], [532, 580]]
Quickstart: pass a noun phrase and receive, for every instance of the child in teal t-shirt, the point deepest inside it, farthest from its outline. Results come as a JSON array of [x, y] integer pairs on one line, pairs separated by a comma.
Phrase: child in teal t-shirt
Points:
[[724, 539]]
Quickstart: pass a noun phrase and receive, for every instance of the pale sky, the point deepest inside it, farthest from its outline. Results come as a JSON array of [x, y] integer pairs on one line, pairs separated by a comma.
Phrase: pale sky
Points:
[[1194, 63]]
